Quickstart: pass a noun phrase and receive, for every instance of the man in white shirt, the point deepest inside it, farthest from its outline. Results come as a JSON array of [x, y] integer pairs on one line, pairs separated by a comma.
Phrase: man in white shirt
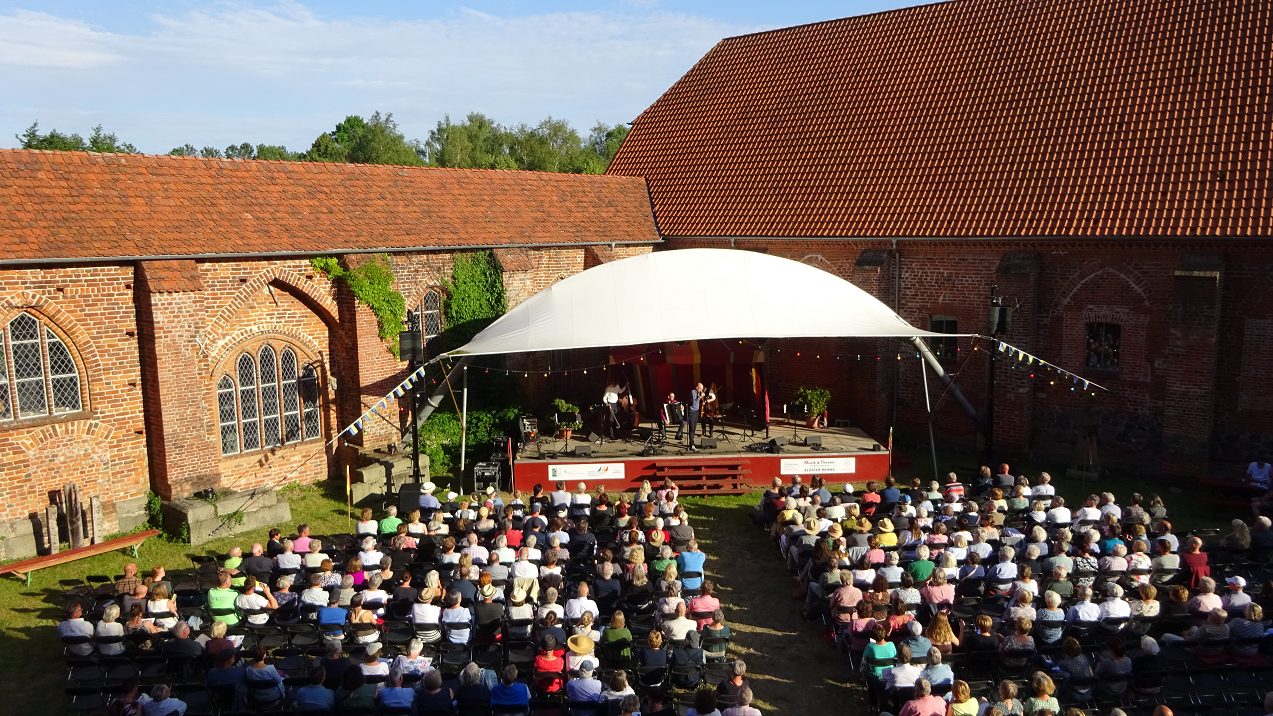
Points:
[[903, 675], [1108, 507], [75, 625], [559, 497], [315, 594], [503, 553], [523, 569], [288, 559], [250, 600], [1084, 610], [1114, 607], [680, 626], [1044, 488], [477, 552], [580, 604], [979, 546], [1059, 514], [1005, 570], [1088, 512], [162, 704]]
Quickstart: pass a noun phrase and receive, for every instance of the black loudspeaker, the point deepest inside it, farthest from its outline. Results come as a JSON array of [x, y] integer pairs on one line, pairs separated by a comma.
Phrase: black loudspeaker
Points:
[[593, 437], [708, 443], [875, 447], [813, 441], [775, 446], [583, 450], [647, 451], [779, 440]]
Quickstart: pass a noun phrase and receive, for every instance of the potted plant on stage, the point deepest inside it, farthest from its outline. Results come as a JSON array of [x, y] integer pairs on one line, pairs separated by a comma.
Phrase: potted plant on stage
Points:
[[814, 401], [566, 418]]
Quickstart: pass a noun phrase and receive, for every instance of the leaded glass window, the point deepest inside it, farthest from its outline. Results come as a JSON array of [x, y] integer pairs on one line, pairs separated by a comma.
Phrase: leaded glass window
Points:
[[227, 416], [64, 379], [291, 397], [247, 404], [310, 402], [28, 366], [271, 435]]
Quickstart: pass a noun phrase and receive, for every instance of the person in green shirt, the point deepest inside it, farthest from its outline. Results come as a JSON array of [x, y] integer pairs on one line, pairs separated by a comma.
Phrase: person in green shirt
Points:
[[922, 568], [618, 632], [222, 597], [664, 559], [883, 650], [232, 564], [389, 525]]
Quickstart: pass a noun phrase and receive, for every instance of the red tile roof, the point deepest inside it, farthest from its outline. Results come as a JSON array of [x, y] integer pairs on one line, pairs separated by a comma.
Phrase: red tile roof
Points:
[[973, 118], [59, 205]]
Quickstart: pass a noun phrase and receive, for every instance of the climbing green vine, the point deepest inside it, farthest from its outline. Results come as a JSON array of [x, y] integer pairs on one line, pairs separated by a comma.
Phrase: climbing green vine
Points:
[[474, 296], [372, 284]]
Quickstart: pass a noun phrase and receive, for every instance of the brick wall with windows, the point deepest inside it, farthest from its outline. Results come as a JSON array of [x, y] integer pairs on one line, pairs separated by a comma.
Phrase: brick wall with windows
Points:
[[80, 420]]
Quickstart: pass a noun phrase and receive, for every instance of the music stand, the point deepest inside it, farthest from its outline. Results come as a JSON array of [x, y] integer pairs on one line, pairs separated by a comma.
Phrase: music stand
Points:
[[795, 408]]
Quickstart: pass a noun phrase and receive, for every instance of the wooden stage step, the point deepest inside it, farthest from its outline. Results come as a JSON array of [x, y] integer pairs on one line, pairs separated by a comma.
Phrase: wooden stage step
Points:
[[695, 479]]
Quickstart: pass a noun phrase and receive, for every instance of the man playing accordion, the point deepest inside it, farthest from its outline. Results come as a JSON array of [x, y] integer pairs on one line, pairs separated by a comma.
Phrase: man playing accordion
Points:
[[673, 413]]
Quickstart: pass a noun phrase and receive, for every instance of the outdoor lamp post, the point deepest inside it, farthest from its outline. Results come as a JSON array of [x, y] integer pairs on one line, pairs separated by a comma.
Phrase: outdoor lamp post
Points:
[[411, 349]]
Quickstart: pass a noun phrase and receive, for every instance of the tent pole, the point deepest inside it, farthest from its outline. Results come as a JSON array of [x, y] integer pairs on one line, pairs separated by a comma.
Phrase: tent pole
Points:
[[464, 426], [948, 383], [436, 399], [932, 441]]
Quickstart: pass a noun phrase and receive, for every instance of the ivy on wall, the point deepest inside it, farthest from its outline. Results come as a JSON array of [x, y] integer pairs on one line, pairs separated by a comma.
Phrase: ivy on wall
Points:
[[372, 284], [474, 296]]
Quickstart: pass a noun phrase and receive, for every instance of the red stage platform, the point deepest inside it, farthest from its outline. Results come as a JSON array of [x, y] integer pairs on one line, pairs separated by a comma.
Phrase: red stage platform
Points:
[[848, 456]]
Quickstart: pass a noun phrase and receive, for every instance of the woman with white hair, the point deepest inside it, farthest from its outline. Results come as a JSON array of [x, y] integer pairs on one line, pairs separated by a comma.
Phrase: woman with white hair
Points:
[[109, 626], [1049, 622], [369, 555], [1114, 607], [1039, 538], [412, 662], [1148, 668], [1114, 565]]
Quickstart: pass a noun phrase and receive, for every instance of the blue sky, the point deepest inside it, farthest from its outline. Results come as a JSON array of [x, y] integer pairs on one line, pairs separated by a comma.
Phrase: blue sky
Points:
[[161, 74]]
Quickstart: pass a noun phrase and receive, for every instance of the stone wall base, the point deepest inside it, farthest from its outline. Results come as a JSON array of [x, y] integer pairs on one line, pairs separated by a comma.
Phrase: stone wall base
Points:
[[205, 519]]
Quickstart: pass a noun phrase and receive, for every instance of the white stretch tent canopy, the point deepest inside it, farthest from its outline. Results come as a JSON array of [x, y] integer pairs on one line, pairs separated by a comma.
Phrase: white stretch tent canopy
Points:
[[690, 294]]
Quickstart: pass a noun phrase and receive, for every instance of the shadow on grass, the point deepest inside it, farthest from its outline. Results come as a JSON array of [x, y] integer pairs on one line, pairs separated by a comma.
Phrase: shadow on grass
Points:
[[792, 669]]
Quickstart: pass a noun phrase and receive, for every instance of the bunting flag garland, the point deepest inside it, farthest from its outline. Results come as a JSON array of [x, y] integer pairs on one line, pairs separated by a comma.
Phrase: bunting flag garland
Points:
[[398, 391], [1013, 352]]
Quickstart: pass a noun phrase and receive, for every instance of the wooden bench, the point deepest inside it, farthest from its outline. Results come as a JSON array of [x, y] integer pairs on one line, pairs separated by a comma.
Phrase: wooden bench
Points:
[[24, 568]]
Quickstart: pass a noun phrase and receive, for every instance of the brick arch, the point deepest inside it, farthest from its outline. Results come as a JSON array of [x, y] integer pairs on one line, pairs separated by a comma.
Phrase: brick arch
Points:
[[89, 429], [305, 290], [232, 345], [1090, 272], [820, 262], [77, 340], [417, 292]]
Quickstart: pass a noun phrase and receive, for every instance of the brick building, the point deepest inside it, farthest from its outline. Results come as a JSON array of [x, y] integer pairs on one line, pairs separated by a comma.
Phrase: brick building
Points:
[[161, 326], [1105, 164]]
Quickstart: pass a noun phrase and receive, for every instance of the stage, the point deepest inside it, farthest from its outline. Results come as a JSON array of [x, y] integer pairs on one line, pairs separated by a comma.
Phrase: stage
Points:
[[848, 455]]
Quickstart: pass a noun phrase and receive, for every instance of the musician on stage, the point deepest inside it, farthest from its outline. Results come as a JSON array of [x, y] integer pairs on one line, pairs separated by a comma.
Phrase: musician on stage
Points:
[[698, 396], [670, 408], [609, 400], [711, 411]]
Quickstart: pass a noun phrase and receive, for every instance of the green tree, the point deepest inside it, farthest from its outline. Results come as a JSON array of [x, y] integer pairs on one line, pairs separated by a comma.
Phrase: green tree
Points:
[[476, 143], [185, 150], [98, 141], [240, 151], [210, 153], [380, 142], [334, 146], [604, 140], [279, 152]]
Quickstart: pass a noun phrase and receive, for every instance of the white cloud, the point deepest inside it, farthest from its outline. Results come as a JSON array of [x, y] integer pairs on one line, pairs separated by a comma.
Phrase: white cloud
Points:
[[284, 74]]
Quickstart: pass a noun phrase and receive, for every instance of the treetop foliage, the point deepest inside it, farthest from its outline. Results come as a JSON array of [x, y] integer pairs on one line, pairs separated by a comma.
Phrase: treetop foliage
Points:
[[98, 141], [476, 142]]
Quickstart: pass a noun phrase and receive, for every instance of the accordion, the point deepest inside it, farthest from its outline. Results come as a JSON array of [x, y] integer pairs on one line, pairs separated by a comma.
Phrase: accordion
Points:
[[673, 413]]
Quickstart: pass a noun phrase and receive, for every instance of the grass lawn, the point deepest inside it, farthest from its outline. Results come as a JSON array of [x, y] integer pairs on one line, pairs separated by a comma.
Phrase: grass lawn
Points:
[[793, 670]]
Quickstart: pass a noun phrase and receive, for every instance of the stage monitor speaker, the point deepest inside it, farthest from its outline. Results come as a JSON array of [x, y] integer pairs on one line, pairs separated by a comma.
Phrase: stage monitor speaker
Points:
[[779, 440], [875, 447], [775, 446], [583, 450], [647, 451], [813, 441], [593, 437], [708, 443]]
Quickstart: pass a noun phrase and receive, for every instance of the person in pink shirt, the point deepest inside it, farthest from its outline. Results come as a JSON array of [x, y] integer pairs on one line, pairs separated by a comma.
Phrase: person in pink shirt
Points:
[[705, 603], [938, 590], [924, 703], [300, 545]]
